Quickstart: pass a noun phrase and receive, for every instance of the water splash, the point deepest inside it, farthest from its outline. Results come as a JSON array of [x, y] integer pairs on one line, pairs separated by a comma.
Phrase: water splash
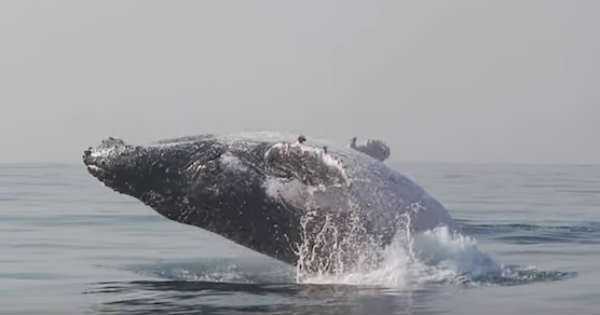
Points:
[[328, 249], [414, 259]]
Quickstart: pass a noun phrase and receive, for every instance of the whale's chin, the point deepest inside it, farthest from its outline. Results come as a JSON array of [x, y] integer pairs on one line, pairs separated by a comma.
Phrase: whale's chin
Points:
[[95, 170]]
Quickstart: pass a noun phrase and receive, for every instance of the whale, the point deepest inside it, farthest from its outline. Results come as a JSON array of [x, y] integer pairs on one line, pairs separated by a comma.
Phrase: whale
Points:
[[310, 203]]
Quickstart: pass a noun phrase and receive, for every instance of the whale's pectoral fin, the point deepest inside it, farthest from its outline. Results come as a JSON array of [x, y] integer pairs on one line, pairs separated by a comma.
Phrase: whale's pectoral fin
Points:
[[310, 165], [376, 149]]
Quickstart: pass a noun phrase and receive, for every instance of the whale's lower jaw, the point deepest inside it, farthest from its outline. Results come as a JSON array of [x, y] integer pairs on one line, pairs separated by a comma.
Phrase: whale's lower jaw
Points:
[[278, 237]]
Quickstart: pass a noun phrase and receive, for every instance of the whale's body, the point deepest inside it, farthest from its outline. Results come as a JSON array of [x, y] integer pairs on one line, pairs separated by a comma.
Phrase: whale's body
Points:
[[296, 202]]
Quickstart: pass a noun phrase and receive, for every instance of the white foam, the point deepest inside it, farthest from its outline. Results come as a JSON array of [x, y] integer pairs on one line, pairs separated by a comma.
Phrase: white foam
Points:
[[437, 255], [453, 252]]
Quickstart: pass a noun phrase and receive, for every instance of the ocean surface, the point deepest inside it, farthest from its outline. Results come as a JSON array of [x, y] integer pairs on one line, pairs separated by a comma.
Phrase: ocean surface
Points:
[[530, 244]]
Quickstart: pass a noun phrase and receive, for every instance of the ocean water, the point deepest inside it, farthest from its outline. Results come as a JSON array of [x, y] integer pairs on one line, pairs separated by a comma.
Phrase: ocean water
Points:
[[530, 244]]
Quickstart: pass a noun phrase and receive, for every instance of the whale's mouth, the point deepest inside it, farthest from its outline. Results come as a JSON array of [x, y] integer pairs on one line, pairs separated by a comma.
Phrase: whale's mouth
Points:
[[92, 164], [101, 159], [98, 172], [95, 170]]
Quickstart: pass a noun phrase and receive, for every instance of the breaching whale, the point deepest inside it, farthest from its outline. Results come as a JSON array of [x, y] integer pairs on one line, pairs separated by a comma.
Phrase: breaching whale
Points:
[[307, 203]]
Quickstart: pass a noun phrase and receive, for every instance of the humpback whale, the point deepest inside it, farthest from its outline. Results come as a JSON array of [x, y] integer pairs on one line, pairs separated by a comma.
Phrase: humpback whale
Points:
[[308, 203]]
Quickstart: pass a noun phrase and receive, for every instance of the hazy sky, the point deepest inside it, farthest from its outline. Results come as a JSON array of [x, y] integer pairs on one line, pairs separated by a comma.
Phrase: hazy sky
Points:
[[480, 81]]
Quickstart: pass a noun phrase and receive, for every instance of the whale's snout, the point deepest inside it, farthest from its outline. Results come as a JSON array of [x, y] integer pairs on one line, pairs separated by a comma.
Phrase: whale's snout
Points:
[[110, 160], [92, 163], [93, 160], [104, 156]]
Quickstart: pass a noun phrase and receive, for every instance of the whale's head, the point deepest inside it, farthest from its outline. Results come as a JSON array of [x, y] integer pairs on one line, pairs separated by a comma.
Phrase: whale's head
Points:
[[150, 172], [118, 165], [209, 183], [171, 175]]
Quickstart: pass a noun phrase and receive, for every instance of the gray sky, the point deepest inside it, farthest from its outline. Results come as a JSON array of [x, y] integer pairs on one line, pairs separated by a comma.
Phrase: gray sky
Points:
[[478, 81]]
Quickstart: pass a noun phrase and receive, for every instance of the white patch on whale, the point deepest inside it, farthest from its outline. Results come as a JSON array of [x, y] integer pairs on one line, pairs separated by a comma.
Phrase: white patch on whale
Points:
[[102, 152], [233, 162], [94, 168]]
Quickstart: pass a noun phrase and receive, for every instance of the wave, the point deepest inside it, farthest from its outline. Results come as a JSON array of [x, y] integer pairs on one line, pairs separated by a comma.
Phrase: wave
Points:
[[517, 233]]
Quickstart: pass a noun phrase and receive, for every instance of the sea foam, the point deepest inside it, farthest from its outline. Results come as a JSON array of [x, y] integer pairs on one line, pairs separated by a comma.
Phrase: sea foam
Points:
[[416, 258]]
